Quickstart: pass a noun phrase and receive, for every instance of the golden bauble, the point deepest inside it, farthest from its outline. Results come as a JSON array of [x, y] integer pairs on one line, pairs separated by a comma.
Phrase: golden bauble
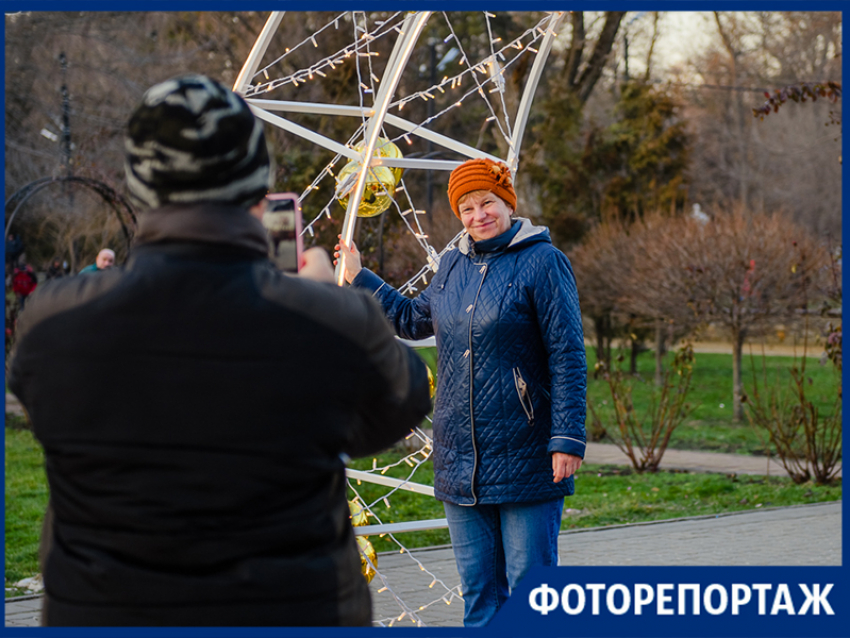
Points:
[[385, 148], [380, 180], [358, 514], [367, 551], [377, 193], [358, 519], [432, 382]]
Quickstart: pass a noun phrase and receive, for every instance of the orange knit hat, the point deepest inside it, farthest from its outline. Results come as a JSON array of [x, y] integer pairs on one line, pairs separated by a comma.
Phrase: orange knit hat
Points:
[[481, 174]]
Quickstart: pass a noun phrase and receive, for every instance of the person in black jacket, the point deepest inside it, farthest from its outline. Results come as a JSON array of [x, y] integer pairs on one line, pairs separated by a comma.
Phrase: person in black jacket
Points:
[[55, 270], [193, 429], [14, 248]]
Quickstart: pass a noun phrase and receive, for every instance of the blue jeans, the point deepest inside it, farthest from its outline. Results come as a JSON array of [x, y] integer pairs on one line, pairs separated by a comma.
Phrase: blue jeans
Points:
[[496, 545]]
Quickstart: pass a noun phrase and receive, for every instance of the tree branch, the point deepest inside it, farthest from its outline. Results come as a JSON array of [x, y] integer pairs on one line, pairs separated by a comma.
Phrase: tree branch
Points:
[[576, 47], [596, 63]]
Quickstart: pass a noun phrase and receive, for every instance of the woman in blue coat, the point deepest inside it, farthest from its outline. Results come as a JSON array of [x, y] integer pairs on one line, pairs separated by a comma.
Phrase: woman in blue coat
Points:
[[510, 406]]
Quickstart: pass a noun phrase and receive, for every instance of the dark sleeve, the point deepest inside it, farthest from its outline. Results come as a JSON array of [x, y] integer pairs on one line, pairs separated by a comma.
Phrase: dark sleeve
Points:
[[397, 399], [410, 318], [557, 306]]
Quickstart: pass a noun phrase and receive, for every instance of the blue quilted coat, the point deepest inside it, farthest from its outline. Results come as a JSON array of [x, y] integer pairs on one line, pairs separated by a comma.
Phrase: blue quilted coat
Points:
[[512, 374]]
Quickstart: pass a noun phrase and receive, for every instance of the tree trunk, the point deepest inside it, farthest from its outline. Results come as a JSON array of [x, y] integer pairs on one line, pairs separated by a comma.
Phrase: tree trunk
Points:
[[660, 351], [737, 382], [599, 56], [739, 114], [634, 356], [602, 327], [599, 328]]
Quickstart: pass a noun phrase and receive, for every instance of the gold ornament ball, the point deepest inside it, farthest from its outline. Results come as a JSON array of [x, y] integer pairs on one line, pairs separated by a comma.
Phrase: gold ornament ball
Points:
[[358, 518], [432, 382], [358, 514], [387, 149], [366, 550], [378, 191]]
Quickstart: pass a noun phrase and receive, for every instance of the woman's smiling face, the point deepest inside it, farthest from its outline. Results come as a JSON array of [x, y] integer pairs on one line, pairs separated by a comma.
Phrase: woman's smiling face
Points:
[[484, 214]]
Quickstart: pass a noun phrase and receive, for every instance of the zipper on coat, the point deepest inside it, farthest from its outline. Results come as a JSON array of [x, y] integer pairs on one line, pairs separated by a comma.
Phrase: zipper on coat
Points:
[[483, 272], [524, 396]]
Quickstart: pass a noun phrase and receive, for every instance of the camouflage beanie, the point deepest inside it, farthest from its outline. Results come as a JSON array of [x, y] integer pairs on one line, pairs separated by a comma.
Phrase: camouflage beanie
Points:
[[194, 140]]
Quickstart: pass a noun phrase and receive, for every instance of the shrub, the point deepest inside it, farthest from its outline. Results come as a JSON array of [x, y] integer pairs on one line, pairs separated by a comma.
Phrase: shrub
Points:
[[645, 439]]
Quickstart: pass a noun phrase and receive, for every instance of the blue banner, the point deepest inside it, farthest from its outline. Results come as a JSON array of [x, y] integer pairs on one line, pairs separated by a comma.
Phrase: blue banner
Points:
[[678, 601]]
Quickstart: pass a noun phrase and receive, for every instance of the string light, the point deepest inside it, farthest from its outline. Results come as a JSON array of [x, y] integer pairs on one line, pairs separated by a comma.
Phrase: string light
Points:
[[329, 62], [386, 587], [494, 74]]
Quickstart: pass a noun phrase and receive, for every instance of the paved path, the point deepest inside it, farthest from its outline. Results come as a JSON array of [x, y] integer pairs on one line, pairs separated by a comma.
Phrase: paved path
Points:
[[13, 406], [813, 351], [802, 535], [694, 461]]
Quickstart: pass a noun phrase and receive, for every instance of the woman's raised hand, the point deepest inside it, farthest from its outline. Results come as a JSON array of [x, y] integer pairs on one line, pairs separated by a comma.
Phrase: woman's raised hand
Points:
[[350, 259]]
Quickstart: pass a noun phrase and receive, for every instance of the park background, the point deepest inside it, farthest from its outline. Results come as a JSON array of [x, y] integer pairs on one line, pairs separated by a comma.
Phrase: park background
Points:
[[680, 159]]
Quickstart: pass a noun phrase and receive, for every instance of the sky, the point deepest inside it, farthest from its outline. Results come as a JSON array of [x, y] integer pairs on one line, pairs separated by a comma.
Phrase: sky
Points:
[[684, 34]]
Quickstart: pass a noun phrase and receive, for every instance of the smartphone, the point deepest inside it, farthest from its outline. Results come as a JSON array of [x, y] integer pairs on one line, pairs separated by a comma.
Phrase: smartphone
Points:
[[282, 220]]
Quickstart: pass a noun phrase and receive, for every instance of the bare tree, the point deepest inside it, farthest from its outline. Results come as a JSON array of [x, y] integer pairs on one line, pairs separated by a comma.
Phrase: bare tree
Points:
[[600, 264], [653, 287], [742, 271], [791, 161]]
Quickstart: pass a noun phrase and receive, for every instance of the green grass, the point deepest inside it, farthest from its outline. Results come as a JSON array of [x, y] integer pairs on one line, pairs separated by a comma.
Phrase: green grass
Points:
[[605, 495], [710, 426], [26, 500], [609, 495]]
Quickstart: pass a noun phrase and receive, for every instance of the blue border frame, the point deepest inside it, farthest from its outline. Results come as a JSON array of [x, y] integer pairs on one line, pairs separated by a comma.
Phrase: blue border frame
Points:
[[517, 618]]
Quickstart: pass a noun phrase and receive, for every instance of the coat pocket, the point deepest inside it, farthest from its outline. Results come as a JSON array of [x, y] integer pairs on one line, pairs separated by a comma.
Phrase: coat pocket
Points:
[[524, 396]]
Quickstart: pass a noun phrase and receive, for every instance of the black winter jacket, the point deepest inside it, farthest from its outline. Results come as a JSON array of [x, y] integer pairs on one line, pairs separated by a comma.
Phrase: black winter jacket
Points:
[[193, 407]]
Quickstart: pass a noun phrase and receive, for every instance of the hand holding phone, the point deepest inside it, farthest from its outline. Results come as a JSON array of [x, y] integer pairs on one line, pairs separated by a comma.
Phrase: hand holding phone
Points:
[[316, 265]]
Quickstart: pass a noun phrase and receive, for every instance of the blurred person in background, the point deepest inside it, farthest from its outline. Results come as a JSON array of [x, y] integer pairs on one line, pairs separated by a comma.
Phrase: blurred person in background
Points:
[[55, 270], [105, 260], [14, 248], [24, 283]]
